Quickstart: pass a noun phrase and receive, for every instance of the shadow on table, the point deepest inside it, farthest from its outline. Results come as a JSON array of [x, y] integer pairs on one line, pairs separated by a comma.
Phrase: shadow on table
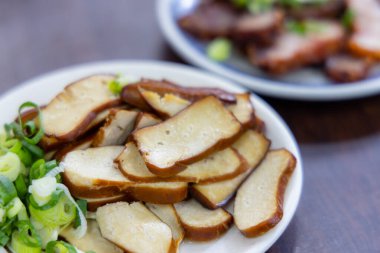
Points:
[[330, 121]]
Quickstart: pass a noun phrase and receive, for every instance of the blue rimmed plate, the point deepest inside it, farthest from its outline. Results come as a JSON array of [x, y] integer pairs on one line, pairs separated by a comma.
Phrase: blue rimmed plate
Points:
[[305, 84]]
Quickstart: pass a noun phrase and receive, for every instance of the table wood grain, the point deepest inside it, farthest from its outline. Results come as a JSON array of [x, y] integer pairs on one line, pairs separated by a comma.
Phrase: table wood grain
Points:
[[340, 142]]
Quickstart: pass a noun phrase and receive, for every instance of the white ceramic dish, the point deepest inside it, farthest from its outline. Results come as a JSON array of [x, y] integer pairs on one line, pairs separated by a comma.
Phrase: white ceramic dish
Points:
[[306, 84], [41, 89]]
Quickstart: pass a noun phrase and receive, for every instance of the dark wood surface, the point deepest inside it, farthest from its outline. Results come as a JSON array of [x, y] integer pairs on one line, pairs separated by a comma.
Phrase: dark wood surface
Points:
[[340, 142]]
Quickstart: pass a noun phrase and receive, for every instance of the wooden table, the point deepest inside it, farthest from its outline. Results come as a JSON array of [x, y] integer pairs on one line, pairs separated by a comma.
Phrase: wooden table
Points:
[[340, 142]]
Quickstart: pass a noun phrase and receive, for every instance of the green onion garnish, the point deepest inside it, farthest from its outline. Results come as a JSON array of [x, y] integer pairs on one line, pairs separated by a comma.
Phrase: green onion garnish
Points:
[[219, 49], [60, 247], [7, 190], [304, 27], [348, 18], [83, 207], [259, 6]]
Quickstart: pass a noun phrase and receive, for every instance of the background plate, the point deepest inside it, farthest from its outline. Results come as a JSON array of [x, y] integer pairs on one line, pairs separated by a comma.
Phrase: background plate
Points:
[[305, 84], [41, 89]]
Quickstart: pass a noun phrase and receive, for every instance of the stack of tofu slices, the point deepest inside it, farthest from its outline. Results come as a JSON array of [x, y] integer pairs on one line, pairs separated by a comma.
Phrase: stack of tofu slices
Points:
[[159, 163]]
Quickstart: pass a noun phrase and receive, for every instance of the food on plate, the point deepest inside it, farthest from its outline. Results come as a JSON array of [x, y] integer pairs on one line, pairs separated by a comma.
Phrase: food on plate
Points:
[[323, 9], [243, 110], [366, 32], [345, 68], [218, 166], [159, 192], [119, 124], [94, 203], [210, 20], [259, 203], [132, 96], [71, 111], [94, 168], [168, 215], [134, 228], [259, 29], [279, 37], [252, 146], [132, 158], [167, 105], [202, 128], [200, 223], [293, 50], [91, 241], [145, 119]]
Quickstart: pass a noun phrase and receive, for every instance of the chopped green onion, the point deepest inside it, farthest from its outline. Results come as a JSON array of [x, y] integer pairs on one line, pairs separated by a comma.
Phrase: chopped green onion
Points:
[[15, 146], [7, 190], [34, 149], [219, 49], [42, 190], [259, 6], [60, 247], [4, 238], [14, 207], [20, 185], [26, 236], [2, 214], [10, 166], [55, 197], [48, 234], [82, 229], [61, 214], [304, 27], [240, 3], [348, 18], [30, 133], [115, 87], [82, 204], [40, 168]]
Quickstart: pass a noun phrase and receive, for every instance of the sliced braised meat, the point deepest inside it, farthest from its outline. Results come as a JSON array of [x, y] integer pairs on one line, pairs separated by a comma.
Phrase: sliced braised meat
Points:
[[293, 50], [345, 68], [259, 29], [365, 40], [328, 9], [209, 20]]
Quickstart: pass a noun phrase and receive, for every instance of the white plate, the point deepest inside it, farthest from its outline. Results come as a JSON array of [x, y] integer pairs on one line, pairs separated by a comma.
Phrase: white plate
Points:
[[41, 89], [305, 84]]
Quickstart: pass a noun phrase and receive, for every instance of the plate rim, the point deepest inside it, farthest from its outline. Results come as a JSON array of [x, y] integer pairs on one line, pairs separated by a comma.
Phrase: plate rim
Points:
[[202, 74], [262, 86]]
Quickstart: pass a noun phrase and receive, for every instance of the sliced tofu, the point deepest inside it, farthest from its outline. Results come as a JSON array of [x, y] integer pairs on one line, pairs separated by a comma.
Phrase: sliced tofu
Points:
[[69, 114], [243, 110], [191, 135], [259, 201], [119, 124], [94, 203], [202, 224], [253, 146], [93, 168], [145, 119], [218, 166], [131, 92], [168, 215], [166, 105], [366, 36], [91, 241], [159, 193], [134, 228], [81, 144]]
